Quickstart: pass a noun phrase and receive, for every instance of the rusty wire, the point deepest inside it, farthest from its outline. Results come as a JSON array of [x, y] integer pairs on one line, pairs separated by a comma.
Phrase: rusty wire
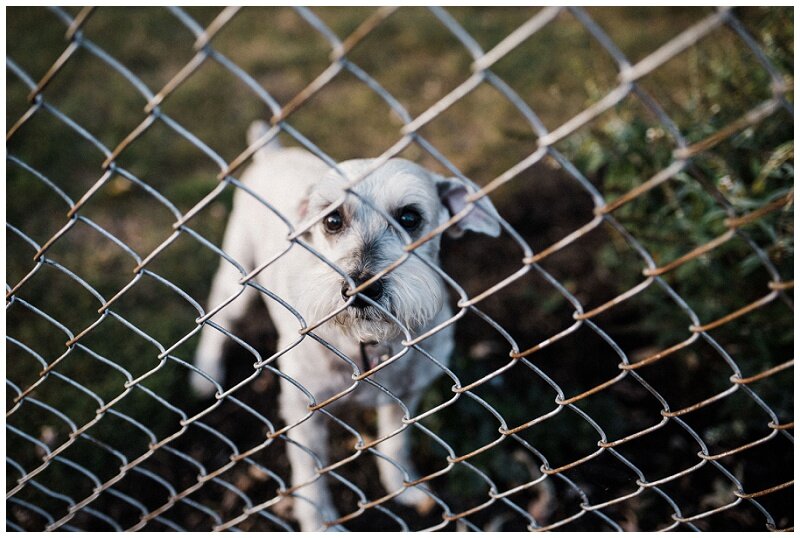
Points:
[[24, 397]]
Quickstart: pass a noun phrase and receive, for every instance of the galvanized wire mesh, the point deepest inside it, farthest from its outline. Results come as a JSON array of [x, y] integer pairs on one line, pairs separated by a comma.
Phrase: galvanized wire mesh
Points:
[[212, 492]]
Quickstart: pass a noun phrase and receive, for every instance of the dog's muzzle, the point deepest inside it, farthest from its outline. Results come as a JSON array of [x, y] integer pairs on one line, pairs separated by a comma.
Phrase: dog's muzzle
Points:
[[374, 291]]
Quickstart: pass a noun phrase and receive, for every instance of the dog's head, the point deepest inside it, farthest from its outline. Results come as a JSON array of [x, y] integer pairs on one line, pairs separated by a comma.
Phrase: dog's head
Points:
[[362, 242]]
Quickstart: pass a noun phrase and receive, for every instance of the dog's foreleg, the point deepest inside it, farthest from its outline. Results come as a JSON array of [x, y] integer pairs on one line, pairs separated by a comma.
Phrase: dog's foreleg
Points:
[[225, 285], [307, 449], [397, 449]]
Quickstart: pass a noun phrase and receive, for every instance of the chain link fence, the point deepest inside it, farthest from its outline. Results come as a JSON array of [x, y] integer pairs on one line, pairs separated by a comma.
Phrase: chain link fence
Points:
[[623, 354]]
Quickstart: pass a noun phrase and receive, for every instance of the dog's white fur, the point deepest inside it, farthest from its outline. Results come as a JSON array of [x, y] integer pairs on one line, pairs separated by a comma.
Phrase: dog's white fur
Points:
[[299, 186]]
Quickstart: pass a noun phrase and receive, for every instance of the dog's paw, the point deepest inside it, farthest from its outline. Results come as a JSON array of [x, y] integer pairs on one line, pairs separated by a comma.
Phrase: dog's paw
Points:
[[201, 386], [417, 499]]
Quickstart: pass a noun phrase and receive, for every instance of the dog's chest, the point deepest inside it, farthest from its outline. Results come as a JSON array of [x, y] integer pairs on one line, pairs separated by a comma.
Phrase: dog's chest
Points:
[[402, 373], [397, 372]]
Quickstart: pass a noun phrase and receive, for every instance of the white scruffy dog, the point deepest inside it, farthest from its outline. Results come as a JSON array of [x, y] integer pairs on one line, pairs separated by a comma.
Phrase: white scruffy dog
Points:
[[360, 242]]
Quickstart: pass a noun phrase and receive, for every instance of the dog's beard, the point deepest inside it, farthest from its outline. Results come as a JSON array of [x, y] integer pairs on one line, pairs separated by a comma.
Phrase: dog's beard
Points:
[[413, 297], [367, 324]]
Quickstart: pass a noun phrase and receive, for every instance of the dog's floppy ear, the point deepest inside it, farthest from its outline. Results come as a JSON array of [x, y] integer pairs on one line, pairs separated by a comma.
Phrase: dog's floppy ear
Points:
[[482, 219]]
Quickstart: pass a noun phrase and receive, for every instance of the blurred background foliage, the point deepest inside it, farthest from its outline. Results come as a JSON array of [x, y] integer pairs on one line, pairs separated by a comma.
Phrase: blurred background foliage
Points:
[[558, 72]]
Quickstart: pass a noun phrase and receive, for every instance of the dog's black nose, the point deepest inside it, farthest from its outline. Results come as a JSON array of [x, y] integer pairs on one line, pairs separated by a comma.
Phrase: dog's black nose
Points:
[[374, 291]]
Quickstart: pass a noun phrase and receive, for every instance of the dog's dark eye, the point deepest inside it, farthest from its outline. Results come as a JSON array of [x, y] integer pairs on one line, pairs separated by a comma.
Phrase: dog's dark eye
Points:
[[333, 222], [409, 218]]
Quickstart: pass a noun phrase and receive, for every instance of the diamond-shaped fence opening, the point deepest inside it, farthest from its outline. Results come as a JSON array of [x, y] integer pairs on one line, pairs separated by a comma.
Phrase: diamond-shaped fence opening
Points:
[[623, 350]]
